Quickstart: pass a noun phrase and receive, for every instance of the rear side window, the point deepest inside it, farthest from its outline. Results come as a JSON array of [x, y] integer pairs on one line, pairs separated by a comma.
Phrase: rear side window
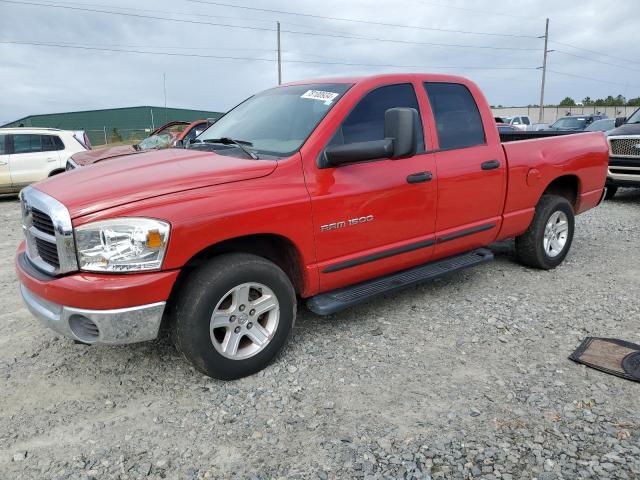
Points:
[[25, 143], [457, 116], [526, 121], [3, 144], [366, 121], [51, 143]]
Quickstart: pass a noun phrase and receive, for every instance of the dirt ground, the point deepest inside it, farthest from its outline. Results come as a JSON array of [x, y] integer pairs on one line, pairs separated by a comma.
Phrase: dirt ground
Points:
[[463, 377]]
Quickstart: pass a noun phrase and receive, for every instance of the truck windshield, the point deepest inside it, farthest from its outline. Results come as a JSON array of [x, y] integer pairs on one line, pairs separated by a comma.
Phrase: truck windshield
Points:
[[277, 121], [635, 118], [570, 123]]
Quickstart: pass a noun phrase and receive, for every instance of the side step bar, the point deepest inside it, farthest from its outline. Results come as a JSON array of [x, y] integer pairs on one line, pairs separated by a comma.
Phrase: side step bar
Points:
[[336, 300]]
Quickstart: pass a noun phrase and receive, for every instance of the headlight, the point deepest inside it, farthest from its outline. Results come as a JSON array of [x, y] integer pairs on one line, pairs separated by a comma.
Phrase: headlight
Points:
[[122, 244]]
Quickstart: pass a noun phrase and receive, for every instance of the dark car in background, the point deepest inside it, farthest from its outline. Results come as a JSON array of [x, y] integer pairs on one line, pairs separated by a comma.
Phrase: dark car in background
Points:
[[166, 136], [603, 125], [575, 123]]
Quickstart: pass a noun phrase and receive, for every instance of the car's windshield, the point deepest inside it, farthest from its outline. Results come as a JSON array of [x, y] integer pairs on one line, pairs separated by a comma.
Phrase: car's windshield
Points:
[[601, 125], [570, 123], [635, 118], [278, 121], [156, 141]]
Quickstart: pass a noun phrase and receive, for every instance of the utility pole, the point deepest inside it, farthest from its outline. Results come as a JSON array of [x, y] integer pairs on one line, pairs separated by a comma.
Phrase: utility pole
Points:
[[279, 57], [544, 72]]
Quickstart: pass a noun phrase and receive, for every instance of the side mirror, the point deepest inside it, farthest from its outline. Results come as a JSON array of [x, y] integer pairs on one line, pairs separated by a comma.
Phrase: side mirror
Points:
[[178, 144], [401, 125], [401, 140], [620, 121]]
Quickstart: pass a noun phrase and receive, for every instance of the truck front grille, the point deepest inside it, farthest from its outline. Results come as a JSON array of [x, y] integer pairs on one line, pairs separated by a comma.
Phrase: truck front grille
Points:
[[48, 232], [625, 147], [48, 252], [42, 221]]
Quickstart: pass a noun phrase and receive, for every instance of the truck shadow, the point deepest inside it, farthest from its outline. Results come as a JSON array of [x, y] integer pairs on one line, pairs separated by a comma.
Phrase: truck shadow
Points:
[[626, 196]]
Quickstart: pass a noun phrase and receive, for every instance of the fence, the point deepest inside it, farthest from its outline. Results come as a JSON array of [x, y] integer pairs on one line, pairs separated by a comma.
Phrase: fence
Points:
[[551, 114], [114, 135]]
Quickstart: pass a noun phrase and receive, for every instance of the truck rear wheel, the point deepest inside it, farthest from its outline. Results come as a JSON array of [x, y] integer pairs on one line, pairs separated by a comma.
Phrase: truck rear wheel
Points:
[[548, 239], [233, 315]]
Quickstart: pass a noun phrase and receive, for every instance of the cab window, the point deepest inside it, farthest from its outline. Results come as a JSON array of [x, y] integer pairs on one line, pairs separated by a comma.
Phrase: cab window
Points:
[[457, 117], [3, 144], [366, 121]]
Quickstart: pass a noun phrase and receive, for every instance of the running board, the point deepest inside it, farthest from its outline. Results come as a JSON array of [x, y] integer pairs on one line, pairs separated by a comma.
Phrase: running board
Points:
[[336, 300]]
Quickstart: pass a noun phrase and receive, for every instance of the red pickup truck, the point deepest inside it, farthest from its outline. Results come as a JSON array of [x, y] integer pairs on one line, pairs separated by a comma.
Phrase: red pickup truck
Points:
[[335, 191]]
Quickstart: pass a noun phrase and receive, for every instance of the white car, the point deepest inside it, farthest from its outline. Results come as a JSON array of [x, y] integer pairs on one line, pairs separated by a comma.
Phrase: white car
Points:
[[28, 155], [521, 122]]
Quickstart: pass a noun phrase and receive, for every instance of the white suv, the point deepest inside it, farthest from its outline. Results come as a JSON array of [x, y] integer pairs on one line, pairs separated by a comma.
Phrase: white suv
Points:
[[28, 155]]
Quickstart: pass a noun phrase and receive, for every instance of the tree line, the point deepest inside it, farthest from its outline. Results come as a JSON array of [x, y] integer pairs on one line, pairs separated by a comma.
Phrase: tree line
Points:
[[618, 101]]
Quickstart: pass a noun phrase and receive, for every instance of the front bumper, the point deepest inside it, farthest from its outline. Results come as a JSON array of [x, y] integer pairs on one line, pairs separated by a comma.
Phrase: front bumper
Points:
[[123, 325], [97, 308], [623, 171]]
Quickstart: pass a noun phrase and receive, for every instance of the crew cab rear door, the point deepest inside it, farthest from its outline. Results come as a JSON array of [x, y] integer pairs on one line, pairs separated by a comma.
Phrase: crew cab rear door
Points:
[[373, 217], [471, 169]]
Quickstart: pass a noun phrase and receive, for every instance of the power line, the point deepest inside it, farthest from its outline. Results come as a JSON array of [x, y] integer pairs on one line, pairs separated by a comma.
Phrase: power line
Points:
[[592, 79], [257, 59], [354, 20], [296, 32], [596, 52], [197, 15], [597, 61]]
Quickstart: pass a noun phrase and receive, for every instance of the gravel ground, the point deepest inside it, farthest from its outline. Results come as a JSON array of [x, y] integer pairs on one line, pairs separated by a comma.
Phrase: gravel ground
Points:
[[464, 377]]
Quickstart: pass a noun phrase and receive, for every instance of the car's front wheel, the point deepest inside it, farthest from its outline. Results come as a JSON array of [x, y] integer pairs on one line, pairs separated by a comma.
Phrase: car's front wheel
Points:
[[546, 242], [233, 315]]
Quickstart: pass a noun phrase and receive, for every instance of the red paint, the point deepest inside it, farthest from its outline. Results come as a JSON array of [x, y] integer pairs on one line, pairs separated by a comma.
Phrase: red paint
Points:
[[209, 198]]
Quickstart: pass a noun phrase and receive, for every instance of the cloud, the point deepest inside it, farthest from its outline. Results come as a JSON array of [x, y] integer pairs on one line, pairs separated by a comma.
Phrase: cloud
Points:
[[39, 79]]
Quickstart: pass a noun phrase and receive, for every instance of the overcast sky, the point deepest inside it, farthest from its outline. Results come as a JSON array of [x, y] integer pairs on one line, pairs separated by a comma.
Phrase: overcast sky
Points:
[[45, 79]]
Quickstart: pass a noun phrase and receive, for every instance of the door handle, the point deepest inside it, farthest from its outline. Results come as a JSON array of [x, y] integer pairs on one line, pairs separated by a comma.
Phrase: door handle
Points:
[[51, 159], [3, 163], [419, 177], [490, 165]]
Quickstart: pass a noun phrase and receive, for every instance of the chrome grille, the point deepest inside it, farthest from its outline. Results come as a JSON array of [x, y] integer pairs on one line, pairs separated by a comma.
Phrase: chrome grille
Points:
[[48, 252], [42, 221], [48, 231], [624, 146]]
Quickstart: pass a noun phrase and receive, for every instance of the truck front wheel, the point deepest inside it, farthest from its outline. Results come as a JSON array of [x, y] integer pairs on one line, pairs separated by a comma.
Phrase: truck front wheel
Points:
[[546, 242], [233, 315]]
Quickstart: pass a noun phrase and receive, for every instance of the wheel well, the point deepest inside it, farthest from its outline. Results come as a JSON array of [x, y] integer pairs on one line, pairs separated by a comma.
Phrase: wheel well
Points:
[[56, 172], [566, 186], [275, 248]]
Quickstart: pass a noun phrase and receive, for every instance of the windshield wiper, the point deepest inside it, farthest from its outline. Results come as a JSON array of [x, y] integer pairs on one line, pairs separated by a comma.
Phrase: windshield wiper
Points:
[[238, 143]]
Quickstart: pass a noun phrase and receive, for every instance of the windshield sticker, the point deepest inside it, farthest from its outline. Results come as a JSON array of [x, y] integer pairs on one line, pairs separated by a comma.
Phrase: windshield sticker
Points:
[[326, 97]]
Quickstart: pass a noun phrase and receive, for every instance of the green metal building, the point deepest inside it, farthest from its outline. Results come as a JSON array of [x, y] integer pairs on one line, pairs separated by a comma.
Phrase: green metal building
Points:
[[114, 124]]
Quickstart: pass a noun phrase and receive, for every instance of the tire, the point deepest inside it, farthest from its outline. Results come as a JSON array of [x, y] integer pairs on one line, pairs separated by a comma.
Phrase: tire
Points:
[[611, 192], [532, 248], [215, 294]]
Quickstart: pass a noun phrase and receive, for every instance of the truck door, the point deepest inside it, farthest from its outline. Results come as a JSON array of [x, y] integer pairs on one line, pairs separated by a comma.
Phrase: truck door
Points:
[[471, 171], [372, 217]]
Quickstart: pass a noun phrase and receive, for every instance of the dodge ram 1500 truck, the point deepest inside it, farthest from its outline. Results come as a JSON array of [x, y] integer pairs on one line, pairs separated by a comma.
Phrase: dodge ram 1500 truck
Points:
[[334, 191]]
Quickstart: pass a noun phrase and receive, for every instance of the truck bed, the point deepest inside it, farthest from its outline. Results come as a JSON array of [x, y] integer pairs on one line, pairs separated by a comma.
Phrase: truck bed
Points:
[[523, 135]]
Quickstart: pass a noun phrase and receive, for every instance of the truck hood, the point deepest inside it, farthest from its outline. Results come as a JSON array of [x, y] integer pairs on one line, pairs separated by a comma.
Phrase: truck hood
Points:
[[626, 129], [92, 156], [159, 172]]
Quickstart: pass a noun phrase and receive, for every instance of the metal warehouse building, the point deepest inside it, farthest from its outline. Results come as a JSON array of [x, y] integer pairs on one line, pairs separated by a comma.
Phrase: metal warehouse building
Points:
[[114, 124]]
